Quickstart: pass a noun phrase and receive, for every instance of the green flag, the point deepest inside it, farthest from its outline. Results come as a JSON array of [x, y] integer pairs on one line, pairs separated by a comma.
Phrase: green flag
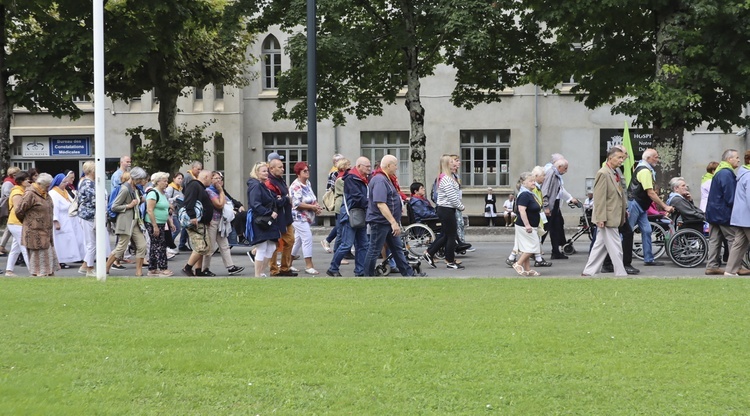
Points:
[[627, 166]]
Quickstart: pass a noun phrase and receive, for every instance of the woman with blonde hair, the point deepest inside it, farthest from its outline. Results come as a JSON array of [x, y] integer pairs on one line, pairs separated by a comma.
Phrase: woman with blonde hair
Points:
[[35, 212], [448, 203], [87, 215], [263, 204]]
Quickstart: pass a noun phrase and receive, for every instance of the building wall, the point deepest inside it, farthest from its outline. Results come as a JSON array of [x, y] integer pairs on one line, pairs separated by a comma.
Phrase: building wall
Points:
[[540, 124]]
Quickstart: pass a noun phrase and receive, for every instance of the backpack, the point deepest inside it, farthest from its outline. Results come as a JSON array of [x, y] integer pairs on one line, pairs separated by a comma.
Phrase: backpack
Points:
[[329, 199], [111, 215], [142, 206], [434, 192], [185, 219], [73, 208]]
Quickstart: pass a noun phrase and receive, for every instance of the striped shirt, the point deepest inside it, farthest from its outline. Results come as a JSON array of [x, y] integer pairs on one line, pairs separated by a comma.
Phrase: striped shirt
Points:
[[449, 193]]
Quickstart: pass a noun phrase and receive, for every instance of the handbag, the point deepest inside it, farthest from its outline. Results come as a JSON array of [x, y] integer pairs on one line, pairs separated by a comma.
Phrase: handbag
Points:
[[73, 208], [356, 216], [329, 199], [264, 222]]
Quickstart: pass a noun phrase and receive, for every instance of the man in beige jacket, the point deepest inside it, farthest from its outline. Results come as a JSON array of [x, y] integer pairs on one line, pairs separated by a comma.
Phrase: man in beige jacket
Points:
[[609, 214]]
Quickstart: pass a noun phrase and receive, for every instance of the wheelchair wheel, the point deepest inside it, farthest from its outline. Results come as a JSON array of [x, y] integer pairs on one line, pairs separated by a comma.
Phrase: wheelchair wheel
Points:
[[568, 248], [417, 237], [658, 237], [688, 248], [383, 269]]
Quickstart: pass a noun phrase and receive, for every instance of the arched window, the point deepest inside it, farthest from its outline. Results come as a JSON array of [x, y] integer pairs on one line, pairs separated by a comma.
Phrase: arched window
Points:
[[271, 53]]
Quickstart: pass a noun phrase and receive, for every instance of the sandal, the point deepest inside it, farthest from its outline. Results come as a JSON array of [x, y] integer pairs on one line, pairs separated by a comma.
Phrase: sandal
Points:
[[166, 273], [531, 273], [311, 271], [519, 269]]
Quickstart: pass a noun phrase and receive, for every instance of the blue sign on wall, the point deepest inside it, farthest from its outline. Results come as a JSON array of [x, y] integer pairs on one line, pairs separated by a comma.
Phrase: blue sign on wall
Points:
[[70, 146]]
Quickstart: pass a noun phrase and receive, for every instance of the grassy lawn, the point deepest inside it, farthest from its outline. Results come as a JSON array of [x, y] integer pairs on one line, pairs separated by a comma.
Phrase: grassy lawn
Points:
[[374, 347]]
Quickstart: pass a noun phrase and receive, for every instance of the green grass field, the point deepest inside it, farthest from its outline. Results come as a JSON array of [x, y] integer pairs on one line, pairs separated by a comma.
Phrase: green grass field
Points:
[[374, 346]]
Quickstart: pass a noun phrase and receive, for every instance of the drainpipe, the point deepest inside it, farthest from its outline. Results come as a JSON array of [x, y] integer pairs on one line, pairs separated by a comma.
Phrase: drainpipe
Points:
[[536, 125], [336, 139]]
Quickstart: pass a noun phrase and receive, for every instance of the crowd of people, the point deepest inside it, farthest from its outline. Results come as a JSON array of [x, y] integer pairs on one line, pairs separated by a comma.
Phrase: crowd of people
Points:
[[51, 219]]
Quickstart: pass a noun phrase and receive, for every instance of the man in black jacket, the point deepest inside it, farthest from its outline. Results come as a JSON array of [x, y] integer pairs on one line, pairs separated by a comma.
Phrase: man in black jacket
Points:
[[278, 186], [195, 192]]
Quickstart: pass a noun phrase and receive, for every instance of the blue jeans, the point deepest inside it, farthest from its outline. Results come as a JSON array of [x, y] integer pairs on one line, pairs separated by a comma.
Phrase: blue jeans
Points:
[[639, 216], [383, 234], [348, 237]]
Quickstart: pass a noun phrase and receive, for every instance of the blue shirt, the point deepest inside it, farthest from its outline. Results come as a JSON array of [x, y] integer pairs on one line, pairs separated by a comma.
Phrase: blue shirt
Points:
[[382, 191]]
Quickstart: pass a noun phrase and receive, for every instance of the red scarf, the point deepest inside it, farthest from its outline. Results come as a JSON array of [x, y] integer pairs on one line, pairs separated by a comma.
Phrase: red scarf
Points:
[[394, 181], [356, 173]]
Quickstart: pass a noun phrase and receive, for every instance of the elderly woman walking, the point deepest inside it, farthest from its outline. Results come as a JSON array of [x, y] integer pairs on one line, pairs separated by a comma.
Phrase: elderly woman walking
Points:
[[68, 233], [527, 222], [35, 212], [158, 223], [87, 215], [304, 208], [129, 222]]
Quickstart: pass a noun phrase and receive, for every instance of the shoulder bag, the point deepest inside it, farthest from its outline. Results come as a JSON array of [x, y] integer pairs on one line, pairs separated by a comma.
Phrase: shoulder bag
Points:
[[356, 216]]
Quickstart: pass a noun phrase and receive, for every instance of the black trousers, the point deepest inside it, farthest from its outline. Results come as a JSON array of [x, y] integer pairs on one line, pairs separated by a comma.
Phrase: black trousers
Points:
[[556, 228], [448, 236]]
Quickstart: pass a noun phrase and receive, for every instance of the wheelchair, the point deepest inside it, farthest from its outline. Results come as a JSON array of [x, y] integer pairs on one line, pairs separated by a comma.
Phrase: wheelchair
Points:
[[685, 245], [418, 236]]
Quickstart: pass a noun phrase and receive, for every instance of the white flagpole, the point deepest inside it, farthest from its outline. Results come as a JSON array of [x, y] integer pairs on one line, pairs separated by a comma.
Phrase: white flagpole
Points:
[[99, 143]]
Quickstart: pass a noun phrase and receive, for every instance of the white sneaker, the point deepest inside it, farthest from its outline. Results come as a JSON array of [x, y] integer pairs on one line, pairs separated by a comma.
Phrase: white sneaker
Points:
[[294, 269], [326, 246], [730, 274]]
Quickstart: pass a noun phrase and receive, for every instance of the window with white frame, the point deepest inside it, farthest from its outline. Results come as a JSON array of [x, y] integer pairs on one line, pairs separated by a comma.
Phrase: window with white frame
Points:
[[271, 53], [485, 157], [292, 146], [376, 144]]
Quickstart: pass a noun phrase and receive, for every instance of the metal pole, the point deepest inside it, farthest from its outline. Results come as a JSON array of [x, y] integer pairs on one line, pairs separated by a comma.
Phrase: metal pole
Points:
[[99, 143], [312, 113]]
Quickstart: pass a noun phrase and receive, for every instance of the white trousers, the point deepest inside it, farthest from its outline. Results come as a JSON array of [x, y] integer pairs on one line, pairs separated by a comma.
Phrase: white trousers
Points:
[[16, 248], [303, 239], [607, 241], [89, 240], [265, 250]]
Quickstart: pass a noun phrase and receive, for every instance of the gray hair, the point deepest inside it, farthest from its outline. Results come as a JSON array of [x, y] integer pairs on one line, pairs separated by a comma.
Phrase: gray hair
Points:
[[156, 177], [522, 179], [728, 153], [555, 157], [538, 171], [336, 158], [44, 180], [674, 182], [137, 173]]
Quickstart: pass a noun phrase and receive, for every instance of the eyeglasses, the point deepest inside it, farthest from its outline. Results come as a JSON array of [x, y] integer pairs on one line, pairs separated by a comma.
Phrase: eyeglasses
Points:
[[305, 170]]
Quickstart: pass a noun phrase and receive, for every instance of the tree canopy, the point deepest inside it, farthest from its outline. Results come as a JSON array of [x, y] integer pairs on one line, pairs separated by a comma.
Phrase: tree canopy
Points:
[[170, 45], [369, 52]]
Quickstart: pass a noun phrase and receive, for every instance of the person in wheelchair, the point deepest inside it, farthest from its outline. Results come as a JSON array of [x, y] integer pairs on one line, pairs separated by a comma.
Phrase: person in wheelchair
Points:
[[686, 212], [423, 211]]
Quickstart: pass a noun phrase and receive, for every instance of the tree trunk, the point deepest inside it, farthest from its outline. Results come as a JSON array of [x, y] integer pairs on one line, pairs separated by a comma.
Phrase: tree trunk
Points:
[[667, 139], [417, 138], [167, 122], [6, 108]]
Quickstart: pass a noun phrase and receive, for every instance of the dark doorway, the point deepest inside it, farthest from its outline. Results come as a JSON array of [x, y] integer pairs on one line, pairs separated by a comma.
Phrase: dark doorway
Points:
[[53, 167]]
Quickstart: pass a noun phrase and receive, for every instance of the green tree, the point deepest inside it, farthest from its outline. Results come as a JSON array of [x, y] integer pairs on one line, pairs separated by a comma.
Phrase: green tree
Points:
[[45, 60], [170, 45], [674, 65], [369, 51], [156, 155]]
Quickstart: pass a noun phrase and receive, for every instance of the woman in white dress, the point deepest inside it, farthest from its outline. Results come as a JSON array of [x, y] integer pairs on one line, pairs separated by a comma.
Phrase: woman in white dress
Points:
[[68, 234]]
